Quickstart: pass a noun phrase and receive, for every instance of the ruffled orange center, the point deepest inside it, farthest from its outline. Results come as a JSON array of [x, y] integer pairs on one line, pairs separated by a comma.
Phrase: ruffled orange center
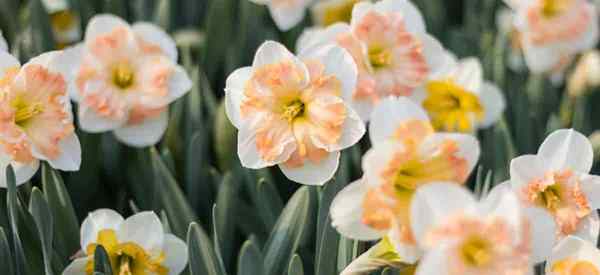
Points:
[[559, 20], [574, 267], [125, 258], [451, 107], [559, 193]]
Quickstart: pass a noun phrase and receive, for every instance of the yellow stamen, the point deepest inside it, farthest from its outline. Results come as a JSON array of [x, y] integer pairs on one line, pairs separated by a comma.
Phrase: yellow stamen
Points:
[[476, 251], [550, 197], [63, 20], [451, 107], [552, 8], [123, 76], [293, 110], [380, 57], [124, 264], [339, 13], [24, 110]]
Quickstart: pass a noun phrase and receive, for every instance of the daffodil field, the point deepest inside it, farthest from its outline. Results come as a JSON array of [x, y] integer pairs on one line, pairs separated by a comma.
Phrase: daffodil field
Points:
[[299, 137]]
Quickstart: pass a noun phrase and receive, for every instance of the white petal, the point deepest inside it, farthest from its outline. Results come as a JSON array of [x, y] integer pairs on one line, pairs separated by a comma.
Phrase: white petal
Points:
[[359, 10], [287, 17], [102, 24], [23, 171], [540, 59], [151, 33], [146, 133], [77, 267], [590, 185], [493, 103], [524, 169], [389, 114], [143, 229], [70, 156], [589, 38], [311, 173], [435, 262], [434, 202], [568, 149], [542, 231], [435, 54], [317, 37], [271, 52], [95, 222], [3, 44], [248, 152], [505, 206], [468, 146], [68, 63], [378, 158], [90, 121], [179, 83], [176, 254], [413, 19], [234, 93], [363, 108], [7, 61], [572, 247], [347, 213], [589, 228], [498, 191], [354, 130], [339, 63], [409, 253], [469, 74]]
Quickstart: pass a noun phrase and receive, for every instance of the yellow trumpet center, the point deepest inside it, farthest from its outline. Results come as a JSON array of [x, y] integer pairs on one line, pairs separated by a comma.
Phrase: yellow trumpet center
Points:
[[125, 258], [24, 110], [476, 251], [551, 197], [571, 267], [63, 20], [552, 8], [339, 13], [451, 107], [380, 57], [123, 76], [292, 110]]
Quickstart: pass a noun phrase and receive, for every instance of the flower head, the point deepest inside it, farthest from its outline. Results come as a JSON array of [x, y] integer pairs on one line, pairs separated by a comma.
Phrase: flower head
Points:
[[554, 30], [126, 79], [390, 46], [406, 155], [286, 13], [574, 256], [557, 181], [329, 12], [463, 236], [137, 245], [458, 99], [292, 111], [35, 116]]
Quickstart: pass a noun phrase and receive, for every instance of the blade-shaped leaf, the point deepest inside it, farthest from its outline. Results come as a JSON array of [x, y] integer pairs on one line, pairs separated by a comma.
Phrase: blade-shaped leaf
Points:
[[40, 211], [202, 257], [13, 216], [6, 256], [251, 259], [101, 262], [296, 267]]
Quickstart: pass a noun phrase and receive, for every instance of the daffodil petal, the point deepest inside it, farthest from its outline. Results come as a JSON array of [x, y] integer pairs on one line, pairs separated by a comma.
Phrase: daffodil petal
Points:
[[524, 169], [493, 103], [567, 149], [97, 221], [410, 13], [312, 173], [339, 63], [179, 83], [7, 61], [102, 24], [70, 156], [390, 113], [76, 267], [590, 185], [589, 228], [287, 17], [176, 254], [469, 74], [468, 146], [146, 133], [151, 33], [23, 171], [91, 122], [543, 232], [434, 262], [143, 229], [234, 93]]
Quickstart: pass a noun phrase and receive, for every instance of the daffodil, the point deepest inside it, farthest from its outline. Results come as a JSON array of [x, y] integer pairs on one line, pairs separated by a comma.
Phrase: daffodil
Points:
[[557, 180], [35, 116], [66, 27], [286, 13], [390, 46], [574, 256], [406, 155], [462, 236], [328, 12], [292, 111], [126, 77], [137, 245], [552, 31], [458, 99]]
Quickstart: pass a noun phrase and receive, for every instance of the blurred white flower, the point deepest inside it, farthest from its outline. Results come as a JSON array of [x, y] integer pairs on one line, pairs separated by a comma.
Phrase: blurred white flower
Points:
[[586, 75], [286, 13], [126, 77], [458, 99], [35, 116], [574, 256], [137, 245], [390, 46], [557, 181], [461, 236], [406, 155], [66, 27], [292, 111], [3, 44], [553, 31], [328, 12]]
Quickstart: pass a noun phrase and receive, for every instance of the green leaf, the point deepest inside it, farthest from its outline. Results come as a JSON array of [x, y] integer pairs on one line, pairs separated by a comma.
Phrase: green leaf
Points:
[[5, 254], [251, 259], [41, 32], [295, 267], [101, 262], [291, 230], [226, 134], [66, 226], [201, 255], [224, 217], [219, 31], [13, 216], [172, 199], [39, 209]]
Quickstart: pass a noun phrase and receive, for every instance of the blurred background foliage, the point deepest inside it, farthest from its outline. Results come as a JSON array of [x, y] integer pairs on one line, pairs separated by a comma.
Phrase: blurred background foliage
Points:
[[235, 220]]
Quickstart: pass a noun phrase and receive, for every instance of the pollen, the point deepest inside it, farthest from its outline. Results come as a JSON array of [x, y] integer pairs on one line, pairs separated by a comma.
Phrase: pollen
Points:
[[380, 57], [293, 110], [476, 251], [550, 198], [123, 76], [451, 107], [24, 111]]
